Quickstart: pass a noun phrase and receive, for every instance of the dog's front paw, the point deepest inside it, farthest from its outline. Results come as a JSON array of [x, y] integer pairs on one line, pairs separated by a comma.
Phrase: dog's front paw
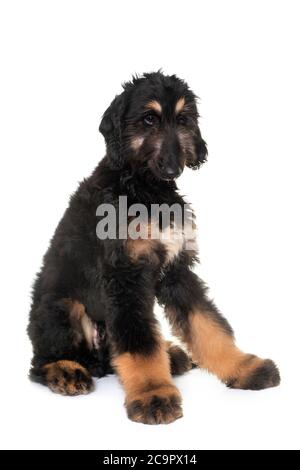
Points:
[[256, 374], [160, 405]]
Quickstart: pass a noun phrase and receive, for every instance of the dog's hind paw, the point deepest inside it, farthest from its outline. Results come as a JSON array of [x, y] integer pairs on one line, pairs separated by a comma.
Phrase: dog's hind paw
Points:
[[68, 378], [180, 361]]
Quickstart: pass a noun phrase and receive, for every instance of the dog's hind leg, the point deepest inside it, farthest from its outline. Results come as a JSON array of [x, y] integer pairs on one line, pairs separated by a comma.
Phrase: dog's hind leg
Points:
[[180, 361], [63, 340], [66, 377]]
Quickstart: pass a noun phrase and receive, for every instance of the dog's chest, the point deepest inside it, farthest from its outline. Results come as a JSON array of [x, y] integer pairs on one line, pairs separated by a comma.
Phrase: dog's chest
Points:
[[173, 240], [177, 239], [159, 245]]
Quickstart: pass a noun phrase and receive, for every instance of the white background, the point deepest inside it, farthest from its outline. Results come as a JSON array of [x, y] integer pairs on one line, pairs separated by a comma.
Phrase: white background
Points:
[[62, 62]]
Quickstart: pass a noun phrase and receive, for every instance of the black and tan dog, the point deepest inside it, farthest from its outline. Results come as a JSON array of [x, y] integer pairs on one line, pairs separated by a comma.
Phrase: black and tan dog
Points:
[[92, 308]]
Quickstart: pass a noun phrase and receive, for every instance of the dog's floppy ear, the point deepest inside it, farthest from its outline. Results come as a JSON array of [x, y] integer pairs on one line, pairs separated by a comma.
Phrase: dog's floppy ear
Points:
[[200, 153], [111, 129]]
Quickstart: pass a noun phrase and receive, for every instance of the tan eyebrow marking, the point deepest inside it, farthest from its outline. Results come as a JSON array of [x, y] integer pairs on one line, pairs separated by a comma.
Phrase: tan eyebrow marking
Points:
[[137, 142], [155, 106], [179, 105]]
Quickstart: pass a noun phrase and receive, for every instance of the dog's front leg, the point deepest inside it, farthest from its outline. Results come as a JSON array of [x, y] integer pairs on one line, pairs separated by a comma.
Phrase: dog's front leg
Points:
[[208, 335], [140, 357]]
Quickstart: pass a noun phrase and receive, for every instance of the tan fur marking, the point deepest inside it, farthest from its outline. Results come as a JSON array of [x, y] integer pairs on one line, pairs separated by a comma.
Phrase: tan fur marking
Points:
[[81, 323], [155, 106], [136, 143], [212, 348], [139, 374], [179, 105], [70, 365], [173, 241], [187, 145], [142, 247], [58, 383], [151, 397], [171, 238], [216, 351]]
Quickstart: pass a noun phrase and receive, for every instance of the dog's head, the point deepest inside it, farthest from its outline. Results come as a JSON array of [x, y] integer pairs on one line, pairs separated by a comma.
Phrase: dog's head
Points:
[[153, 125]]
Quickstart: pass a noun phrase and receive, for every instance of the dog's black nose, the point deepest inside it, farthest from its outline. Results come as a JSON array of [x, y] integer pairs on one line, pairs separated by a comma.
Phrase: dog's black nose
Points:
[[171, 172]]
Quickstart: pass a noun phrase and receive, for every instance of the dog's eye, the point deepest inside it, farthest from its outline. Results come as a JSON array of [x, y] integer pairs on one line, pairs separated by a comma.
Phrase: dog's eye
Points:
[[150, 119], [182, 120]]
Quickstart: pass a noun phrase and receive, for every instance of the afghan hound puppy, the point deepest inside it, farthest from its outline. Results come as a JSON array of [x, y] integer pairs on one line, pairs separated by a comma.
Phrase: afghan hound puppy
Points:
[[92, 302]]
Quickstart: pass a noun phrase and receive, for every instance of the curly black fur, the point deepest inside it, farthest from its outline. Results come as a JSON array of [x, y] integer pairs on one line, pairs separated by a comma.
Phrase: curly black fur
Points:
[[146, 150], [96, 272]]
